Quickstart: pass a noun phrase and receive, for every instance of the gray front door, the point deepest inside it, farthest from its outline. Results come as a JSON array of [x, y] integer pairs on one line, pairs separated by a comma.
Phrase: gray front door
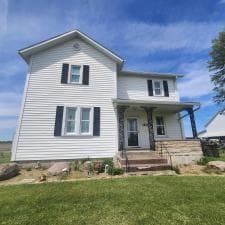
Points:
[[132, 132]]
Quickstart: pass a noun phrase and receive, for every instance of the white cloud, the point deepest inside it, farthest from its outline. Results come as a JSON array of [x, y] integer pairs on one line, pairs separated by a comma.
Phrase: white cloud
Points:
[[189, 36], [222, 2], [144, 38], [197, 80]]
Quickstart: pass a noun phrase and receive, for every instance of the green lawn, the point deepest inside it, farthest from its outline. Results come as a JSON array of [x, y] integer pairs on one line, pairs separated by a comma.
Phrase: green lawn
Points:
[[134, 200], [5, 157]]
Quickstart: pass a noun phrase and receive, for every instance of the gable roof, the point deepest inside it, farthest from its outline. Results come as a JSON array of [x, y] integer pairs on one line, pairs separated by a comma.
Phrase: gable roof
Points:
[[220, 111], [30, 50]]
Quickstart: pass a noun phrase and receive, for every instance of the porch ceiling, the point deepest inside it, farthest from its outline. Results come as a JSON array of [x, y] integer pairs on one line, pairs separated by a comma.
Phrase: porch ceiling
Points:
[[160, 105]]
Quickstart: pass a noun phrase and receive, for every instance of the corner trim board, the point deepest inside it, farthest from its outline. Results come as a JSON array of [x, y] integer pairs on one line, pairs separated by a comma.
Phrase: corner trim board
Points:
[[18, 126]]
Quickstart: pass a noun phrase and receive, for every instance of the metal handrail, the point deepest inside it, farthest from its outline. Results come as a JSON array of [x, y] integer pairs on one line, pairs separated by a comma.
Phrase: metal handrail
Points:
[[163, 147], [124, 153]]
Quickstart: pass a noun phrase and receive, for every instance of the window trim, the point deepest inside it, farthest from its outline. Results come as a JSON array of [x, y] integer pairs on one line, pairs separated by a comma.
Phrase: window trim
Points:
[[78, 121], [161, 88], [70, 75], [164, 125]]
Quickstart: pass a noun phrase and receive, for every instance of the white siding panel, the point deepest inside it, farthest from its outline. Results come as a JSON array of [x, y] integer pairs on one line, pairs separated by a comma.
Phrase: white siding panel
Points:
[[45, 91], [172, 125], [135, 87]]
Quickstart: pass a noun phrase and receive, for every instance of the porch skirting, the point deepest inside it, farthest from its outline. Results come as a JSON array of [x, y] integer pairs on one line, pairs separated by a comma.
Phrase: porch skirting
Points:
[[187, 151]]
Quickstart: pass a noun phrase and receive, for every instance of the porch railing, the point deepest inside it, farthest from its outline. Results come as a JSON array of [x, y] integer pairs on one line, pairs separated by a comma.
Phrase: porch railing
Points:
[[163, 152], [124, 154]]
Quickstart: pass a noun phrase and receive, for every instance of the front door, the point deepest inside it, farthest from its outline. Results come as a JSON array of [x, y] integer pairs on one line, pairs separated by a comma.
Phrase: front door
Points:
[[132, 132]]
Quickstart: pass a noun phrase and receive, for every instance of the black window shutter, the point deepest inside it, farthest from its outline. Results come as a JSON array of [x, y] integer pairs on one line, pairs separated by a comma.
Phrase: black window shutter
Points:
[[58, 121], [150, 88], [85, 75], [96, 124], [165, 87], [65, 71]]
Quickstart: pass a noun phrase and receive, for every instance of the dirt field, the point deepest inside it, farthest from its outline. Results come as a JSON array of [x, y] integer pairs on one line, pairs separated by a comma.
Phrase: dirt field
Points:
[[5, 147]]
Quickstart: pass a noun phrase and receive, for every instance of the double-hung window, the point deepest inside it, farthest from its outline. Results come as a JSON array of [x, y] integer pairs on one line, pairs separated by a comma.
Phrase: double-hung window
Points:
[[160, 125], [78, 121], [75, 74], [71, 120], [157, 88], [85, 121]]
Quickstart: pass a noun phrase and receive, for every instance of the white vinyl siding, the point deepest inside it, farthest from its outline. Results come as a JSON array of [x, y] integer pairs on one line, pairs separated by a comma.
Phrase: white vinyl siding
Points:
[[36, 140], [136, 87], [215, 127]]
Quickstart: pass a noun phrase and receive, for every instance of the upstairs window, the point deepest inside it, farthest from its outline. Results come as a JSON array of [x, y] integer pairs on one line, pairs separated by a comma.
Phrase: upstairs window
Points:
[[158, 88], [75, 74], [160, 126]]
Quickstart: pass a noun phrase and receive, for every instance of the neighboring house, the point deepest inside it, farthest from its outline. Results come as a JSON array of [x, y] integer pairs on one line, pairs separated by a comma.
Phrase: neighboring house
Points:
[[79, 103], [215, 128]]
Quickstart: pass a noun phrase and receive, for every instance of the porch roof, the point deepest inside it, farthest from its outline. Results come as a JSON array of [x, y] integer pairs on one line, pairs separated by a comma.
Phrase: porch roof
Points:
[[175, 106]]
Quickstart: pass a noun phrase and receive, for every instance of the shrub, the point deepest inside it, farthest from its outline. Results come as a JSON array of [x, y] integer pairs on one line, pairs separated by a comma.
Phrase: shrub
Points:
[[108, 162], [205, 159], [115, 171]]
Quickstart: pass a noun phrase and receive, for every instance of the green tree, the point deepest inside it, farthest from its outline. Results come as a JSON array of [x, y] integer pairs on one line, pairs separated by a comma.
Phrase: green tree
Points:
[[217, 65]]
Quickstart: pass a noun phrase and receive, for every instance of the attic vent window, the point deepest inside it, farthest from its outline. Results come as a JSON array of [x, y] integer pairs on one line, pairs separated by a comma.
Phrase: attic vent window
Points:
[[76, 46]]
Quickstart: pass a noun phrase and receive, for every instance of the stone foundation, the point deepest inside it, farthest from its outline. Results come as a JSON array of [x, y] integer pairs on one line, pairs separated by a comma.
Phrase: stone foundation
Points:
[[181, 151]]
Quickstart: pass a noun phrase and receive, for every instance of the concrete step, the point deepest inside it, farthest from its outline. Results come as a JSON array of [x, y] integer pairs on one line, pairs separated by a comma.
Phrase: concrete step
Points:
[[147, 167], [140, 161], [141, 154]]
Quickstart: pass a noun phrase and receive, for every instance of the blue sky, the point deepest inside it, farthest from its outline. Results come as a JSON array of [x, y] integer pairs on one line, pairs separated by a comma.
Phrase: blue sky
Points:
[[164, 36]]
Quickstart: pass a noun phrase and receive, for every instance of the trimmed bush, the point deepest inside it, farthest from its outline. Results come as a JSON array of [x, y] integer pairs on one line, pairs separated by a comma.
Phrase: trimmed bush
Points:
[[115, 171]]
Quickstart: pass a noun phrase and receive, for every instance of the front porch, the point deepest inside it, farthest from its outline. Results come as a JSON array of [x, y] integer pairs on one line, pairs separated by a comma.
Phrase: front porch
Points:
[[156, 129]]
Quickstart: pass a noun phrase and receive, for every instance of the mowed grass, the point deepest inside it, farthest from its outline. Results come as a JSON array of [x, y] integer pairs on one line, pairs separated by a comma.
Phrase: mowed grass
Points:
[[5, 157], [133, 200]]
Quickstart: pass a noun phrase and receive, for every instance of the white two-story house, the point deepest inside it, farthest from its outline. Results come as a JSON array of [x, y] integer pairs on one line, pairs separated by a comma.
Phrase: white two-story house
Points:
[[79, 103]]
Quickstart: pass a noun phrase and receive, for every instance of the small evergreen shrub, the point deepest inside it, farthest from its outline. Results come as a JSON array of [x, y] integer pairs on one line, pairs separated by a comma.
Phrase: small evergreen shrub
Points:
[[115, 171], [205, 159], [108, 162]]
